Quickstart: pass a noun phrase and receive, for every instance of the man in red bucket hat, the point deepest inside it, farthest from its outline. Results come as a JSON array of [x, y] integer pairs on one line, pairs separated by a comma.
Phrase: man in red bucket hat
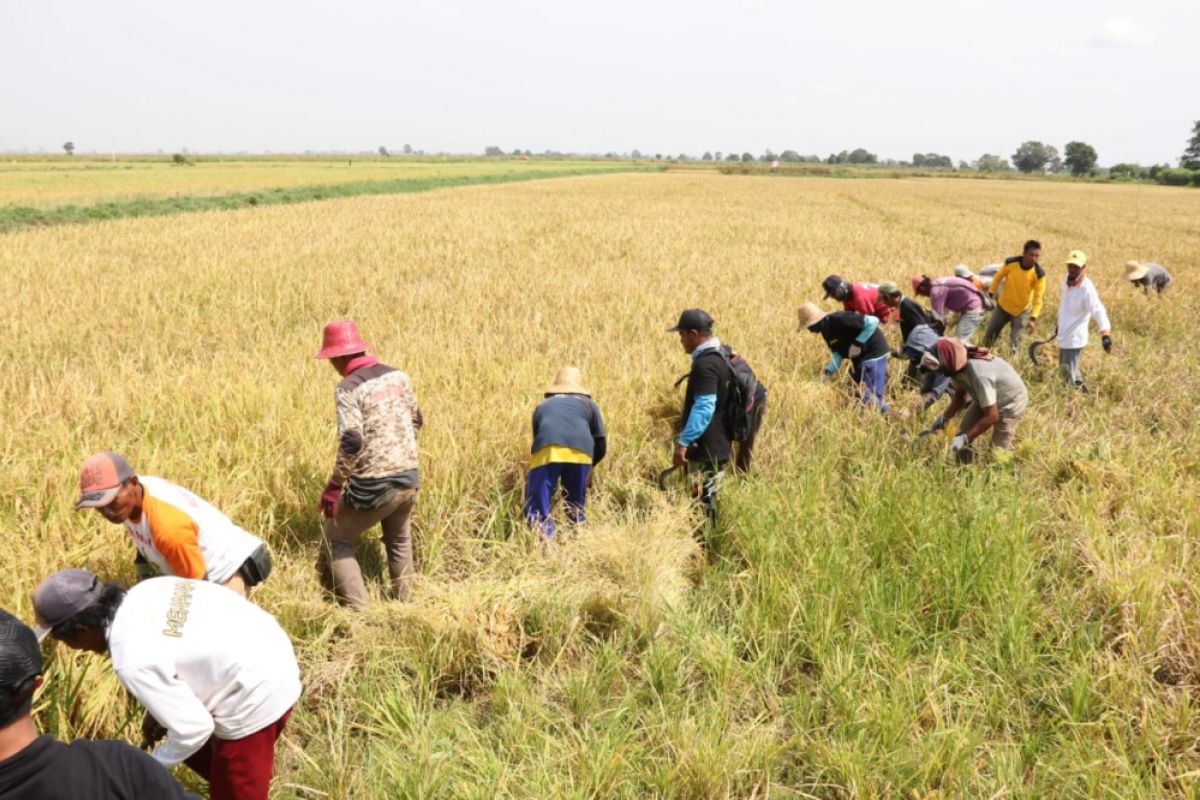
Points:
[[375, 478]]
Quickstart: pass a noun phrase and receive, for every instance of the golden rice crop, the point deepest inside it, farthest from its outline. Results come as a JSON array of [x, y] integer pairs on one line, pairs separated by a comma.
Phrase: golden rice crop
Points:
[[867, 621]]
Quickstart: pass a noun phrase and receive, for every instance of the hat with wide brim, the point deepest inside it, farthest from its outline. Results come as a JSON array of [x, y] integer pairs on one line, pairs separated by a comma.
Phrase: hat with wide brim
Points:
[[1135, 270], [810, 314], [341, 338], [568, 380]]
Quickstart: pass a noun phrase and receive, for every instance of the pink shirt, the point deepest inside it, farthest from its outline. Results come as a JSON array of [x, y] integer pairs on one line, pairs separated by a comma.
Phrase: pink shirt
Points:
[[953, 294]]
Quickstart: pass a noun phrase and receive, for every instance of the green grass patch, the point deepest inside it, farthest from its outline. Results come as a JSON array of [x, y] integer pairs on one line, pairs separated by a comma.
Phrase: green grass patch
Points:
[[13, 218]]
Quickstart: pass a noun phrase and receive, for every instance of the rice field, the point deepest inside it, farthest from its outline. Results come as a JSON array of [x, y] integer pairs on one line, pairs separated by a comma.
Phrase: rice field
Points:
[[866, 620]]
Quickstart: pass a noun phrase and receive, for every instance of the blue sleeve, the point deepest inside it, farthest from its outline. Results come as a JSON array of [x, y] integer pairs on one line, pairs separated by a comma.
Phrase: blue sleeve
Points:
[[869, 325], [834, 362], [697, 422]]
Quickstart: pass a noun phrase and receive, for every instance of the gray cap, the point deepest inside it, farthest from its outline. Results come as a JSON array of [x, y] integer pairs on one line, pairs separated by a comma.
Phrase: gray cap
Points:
[[63, 595]]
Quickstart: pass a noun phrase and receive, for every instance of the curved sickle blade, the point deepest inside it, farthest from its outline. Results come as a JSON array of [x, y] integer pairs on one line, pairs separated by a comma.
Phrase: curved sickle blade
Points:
[[665, 474]]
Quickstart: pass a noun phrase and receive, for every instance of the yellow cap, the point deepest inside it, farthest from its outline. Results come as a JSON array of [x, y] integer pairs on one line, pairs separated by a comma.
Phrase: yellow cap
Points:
[[1078, 258]]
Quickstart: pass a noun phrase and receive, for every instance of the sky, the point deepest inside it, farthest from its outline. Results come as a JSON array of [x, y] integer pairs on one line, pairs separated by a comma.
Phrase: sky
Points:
[[958, 78]]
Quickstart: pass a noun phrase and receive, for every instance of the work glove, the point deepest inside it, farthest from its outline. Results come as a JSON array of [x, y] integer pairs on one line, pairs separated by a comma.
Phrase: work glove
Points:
[[959, 442], [330, 500], [938, 424], [1106, 340], [855, 350]]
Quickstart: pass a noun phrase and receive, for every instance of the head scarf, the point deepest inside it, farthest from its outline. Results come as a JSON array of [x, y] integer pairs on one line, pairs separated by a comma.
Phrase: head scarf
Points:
[[954, 354]]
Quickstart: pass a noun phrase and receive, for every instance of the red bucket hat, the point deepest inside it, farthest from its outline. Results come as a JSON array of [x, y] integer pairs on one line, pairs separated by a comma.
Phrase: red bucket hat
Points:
[[341, 339]]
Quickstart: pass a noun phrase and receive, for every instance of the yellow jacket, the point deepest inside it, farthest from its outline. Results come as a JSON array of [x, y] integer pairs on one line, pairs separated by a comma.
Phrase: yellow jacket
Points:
[[1023, 288]]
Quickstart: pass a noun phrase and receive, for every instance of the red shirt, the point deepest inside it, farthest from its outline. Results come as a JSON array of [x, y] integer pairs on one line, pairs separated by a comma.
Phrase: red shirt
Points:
[[865, 299]]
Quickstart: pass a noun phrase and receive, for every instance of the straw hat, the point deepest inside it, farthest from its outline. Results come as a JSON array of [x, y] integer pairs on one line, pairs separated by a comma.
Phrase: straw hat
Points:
[[810, 315], [568, 381], [1135, 270]]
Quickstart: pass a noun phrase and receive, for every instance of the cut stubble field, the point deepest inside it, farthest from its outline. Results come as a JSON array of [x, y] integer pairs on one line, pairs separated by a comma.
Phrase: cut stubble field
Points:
[[865, 621]]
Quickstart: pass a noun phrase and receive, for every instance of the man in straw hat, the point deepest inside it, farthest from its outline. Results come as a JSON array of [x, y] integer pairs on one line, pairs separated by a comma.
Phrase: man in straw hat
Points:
[[375, 478], [1079, 306], [1147, 275], [174, 532], [988, 387], [568, 442], [34, 767], [216, 674], [704, 444], [853, 336]]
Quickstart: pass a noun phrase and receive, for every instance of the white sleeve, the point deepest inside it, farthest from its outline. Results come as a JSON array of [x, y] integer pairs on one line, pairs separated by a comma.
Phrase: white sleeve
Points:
[[175, 706], [1099, 312]]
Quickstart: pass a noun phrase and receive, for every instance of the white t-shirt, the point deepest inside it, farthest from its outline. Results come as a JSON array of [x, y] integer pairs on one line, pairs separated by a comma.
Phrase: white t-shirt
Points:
[[203, 660], [180, 534]]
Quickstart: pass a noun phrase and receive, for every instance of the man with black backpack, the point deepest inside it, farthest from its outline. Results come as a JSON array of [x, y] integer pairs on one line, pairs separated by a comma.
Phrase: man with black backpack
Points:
[[705, 444]]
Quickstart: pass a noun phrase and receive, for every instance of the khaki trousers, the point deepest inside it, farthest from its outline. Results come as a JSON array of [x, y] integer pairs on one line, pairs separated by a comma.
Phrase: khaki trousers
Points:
[[343, 531], [1003, 432]]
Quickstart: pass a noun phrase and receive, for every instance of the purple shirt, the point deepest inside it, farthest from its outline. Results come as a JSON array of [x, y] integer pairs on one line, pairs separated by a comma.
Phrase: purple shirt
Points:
[[954, 294]]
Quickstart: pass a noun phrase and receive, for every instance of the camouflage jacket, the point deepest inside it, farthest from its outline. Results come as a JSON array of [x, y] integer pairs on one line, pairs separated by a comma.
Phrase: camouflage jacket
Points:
[[378, 419]]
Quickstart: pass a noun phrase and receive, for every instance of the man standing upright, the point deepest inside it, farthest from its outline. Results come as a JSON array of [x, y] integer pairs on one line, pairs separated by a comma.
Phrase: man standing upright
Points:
[[1080, 305], [704, 443], [1019, 287], [375, 478]]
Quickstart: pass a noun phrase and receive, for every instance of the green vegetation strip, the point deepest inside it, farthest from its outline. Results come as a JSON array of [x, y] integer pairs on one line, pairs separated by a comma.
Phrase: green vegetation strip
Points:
[[13, 218]]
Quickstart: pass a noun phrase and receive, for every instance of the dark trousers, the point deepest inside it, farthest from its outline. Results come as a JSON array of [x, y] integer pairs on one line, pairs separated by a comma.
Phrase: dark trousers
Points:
[[1015, 323], [540, 488], [745, 448]]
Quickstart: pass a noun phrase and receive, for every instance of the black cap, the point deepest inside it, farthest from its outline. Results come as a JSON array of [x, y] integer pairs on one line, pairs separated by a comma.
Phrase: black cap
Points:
[[693, 319], [831, 284], [20, 662]]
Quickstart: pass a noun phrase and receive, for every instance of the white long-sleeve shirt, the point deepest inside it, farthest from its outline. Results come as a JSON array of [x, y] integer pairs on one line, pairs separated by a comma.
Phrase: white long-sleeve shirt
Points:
[[203, 660], [1079, 305]]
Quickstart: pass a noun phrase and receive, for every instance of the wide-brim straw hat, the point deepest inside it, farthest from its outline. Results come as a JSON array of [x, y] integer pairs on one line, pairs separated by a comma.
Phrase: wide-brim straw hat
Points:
[[1135, 270], [568, 380], [810, 314]]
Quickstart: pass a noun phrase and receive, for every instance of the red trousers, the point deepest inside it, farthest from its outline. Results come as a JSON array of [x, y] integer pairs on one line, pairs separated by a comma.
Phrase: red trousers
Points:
[[239, 769]]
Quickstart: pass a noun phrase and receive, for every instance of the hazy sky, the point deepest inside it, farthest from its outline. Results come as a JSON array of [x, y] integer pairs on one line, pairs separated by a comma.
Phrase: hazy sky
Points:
[[961, 78]]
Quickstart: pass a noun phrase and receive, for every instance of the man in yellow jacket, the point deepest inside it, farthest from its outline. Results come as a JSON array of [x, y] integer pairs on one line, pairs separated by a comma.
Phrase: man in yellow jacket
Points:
[[1018, 288]]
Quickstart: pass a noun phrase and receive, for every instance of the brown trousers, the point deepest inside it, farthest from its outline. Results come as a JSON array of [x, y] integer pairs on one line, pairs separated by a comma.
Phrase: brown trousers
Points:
[[342, 533]]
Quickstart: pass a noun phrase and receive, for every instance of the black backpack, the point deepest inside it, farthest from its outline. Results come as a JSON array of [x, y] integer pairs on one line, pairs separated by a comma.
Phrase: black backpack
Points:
[[745, 395]]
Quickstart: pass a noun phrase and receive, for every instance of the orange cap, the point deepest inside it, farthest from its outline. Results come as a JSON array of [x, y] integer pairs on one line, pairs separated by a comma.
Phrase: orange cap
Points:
[[101, 479]]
